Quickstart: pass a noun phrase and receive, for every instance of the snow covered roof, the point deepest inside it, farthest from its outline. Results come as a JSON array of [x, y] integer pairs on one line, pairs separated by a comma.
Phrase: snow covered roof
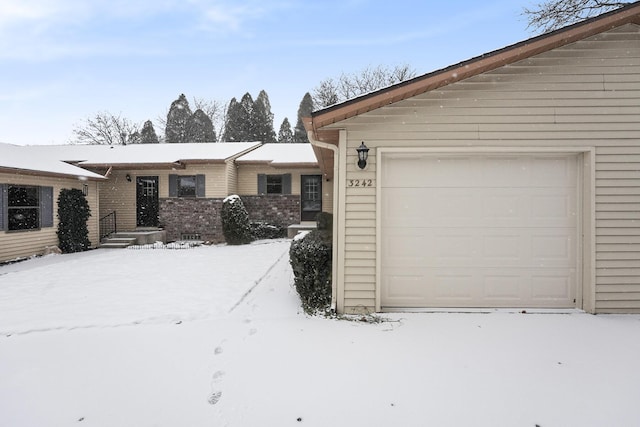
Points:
[[281, 154], [145, 154], [20, 158]]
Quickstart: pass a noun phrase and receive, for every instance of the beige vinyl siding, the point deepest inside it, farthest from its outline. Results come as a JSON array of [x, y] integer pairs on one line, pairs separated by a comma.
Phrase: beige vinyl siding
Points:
[[248, 181], [119, 195], [586, 94], [617, 222], [232, 177], [27, 243]]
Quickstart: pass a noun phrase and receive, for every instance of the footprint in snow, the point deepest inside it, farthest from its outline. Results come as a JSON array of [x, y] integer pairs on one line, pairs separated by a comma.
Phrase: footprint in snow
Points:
[[253, 331], [218, 350], [215, 395]]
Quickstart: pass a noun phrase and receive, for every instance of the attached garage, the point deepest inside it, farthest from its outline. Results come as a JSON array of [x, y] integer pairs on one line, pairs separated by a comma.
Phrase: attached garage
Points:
[[479, 230], [506, 181]]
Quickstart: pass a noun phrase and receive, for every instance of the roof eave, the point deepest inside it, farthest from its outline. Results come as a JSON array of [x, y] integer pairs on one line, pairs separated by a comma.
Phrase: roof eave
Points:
[[33, 172], [134, 166]]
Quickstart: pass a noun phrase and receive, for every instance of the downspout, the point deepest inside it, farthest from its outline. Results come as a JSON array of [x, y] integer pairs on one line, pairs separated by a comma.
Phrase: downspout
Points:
[[336, 189]]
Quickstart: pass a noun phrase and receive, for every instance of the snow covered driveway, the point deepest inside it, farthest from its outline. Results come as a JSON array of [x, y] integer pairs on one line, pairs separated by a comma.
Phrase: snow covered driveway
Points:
[[171, 338], [119, 287]]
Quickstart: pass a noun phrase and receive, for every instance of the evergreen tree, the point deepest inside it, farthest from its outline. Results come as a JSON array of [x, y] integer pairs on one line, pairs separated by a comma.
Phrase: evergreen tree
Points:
[[285, 135], [262, 119], [238, 126], [200, 128], [304, 110], [148, 134], [73, 214], [177, 118]]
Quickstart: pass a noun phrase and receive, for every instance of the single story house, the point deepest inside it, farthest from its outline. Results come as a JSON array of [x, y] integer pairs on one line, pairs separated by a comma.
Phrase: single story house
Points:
[[179, 188], [29, 189], [508, 180]]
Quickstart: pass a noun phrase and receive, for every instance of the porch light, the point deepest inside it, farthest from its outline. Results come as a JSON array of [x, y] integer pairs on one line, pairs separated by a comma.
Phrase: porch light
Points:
[[363, 155], [128, 177]]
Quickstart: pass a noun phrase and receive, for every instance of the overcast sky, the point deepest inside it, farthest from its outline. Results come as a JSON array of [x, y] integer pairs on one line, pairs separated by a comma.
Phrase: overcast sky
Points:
[[62, 61]]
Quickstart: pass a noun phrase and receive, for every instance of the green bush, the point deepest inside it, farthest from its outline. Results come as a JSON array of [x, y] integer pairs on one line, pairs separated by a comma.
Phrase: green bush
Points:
[[73, 213], [235, 221], [263, 230], [324, 223], [310, 259]]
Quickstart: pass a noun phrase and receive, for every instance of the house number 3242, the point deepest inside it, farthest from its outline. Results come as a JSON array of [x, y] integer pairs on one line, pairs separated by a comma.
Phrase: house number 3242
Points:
[[360, 183]]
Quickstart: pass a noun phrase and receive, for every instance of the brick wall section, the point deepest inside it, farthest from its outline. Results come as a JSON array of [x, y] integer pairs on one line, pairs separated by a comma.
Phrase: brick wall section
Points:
[[276, 209], [181, 216]]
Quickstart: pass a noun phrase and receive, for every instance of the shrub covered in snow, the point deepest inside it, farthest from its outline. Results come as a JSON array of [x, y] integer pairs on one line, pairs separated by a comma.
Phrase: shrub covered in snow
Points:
[[73, 213], [235, 221], [263, 230], [310, 259]]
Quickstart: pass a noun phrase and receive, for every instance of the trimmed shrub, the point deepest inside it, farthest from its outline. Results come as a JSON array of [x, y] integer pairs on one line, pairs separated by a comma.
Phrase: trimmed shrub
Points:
[[235, 221], [310, 259], [324, 223], [263, 230], [73, 213]]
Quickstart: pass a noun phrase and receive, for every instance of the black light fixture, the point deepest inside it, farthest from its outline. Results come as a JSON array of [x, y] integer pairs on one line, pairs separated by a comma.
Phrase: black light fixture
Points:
[[128, 177], [363, 155]]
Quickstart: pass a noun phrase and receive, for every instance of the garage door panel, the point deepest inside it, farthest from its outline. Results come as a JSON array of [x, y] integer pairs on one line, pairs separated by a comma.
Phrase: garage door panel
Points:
[[477, 247], [413, 171], [513, 207], [552, 287], [503, 287], [504, 235]]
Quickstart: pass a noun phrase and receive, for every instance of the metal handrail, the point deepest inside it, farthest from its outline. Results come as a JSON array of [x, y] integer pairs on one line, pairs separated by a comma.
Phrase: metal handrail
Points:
[[108, 225]]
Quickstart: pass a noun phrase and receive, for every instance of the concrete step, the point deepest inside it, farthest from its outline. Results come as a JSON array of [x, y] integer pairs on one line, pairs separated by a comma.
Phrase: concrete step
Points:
[[142, 237], [118, 242]]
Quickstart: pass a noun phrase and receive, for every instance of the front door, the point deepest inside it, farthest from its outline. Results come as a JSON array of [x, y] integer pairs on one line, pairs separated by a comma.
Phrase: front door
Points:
[[147, 201], [311, 195]]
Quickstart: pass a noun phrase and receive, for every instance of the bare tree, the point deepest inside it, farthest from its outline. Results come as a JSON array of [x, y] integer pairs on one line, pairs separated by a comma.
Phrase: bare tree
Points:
[[107, 129], [553, 14], [331, 91]]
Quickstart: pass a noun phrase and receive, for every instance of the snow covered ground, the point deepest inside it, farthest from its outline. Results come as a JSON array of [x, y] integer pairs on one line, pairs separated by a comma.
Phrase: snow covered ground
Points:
[[214, 336]]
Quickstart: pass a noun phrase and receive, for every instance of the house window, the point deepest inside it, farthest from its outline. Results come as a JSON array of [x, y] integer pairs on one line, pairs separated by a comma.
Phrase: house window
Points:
[[187, 186], [23, 208], [274, 184]]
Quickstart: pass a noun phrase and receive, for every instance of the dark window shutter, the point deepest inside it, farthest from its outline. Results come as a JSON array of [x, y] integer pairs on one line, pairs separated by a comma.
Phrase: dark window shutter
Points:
[[173, 185], [3, 206], [286, 183], [262, 183], [46, 206], [200, 186]]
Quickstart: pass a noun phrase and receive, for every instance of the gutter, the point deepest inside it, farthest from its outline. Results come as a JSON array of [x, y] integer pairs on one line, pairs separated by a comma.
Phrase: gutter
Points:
[[336, 189]]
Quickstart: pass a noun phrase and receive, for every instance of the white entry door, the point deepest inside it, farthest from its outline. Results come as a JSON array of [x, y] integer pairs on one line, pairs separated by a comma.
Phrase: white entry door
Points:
[[479, 231]]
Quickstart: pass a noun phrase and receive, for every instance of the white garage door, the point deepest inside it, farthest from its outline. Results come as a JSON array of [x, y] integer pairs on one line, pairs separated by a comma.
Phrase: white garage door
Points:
[[479, 231]]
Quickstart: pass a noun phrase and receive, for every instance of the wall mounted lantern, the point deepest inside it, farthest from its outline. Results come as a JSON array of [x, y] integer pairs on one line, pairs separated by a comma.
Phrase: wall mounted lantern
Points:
[[363, 155], [128, 177]]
